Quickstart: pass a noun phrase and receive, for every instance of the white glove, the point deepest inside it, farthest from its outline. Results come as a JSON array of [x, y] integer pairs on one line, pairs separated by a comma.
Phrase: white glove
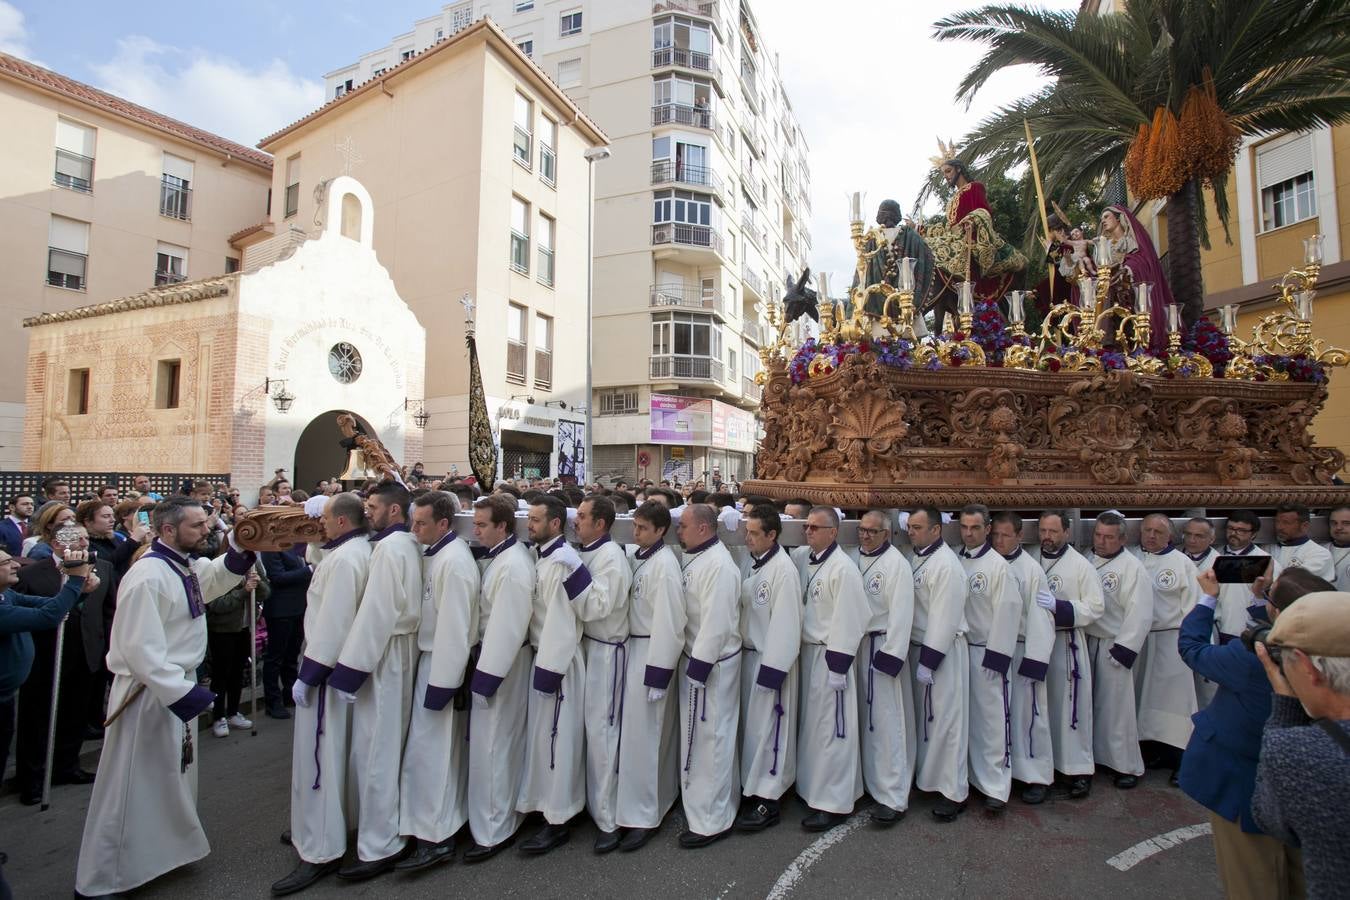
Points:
[[764, 687], [567, 556], [1115, 663], [346, 697], [836, 681], [991, 675], [238, 548], [1045, 599], [300, 692], [924, 674], [315, 506], [479, 700], [655, 694]]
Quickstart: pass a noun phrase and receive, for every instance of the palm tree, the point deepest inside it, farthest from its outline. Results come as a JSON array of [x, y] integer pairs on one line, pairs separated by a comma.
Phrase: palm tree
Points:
[[1274, 65]]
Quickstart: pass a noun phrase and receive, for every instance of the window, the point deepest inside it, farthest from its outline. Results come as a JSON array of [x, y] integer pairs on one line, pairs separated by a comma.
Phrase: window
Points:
[[548, 154], [682, 101], [523, 5], [682, 206], [67, 253], [676, 160], [231, 265], [440, 33], [731, 246], [547, 227], [461, 16], [74, 156], [526, 46], [731, 364], [292, 186], [543, 351], [167, 375], [175, 191], [405, 54], [569, 72], [378, 71], [619, 403], [524, 130], [515, 343], [77, 392], [170, 264], [685, 334], [677, 40], [520, 236], [342, 88], [1284, 170], [569, 23]]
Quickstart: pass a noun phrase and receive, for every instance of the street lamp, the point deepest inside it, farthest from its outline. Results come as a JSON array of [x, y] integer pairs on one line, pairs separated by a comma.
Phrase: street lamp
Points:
[[592, 155]]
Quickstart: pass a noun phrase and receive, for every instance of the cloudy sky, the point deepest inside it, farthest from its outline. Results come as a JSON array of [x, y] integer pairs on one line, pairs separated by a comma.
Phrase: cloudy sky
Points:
[[871, 87]]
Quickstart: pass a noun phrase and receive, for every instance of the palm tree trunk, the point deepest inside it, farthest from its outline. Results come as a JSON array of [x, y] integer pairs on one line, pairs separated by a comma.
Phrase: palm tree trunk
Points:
[[1183, 251]]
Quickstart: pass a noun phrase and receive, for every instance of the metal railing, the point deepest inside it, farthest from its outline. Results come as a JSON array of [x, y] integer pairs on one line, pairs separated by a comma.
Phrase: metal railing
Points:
[[522, 146], [515, 362], [175, 201], [74, 171], [690, 235], [682, 114], [750, 390], [680, 296], [752, 230], [686, 368], [66, 269], [543, 369], [748, 79], [751, 332], [548, 163], [520, 253], [164, 276], [666, 171], [752, 281], [685, 59], [705, 8]]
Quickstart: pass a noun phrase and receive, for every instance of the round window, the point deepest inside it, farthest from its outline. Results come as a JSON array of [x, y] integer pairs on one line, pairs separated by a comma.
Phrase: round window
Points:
[[344, 362]]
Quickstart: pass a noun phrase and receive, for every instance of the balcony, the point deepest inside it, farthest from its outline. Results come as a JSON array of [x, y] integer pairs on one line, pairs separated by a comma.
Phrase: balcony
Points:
[[678, 296], [175, 201], [687, 235], [751, 137], [667, 171], [705, 8], [752, 332], [543, 369], [74, 171], [748, 80], [750, 228], [752, 282], [684, 58], [750, 390], [686, 368], [515, 362], [682, 114]]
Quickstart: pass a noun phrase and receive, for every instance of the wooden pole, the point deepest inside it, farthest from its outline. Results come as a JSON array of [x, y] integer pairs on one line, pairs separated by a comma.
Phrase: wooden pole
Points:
[[1040, 203]]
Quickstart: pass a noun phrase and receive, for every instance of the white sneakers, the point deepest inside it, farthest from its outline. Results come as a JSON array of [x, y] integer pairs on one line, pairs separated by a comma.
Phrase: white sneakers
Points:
[[237, 721], [221, 727]]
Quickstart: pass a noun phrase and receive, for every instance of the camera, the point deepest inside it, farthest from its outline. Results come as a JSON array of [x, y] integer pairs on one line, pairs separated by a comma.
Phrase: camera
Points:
[[1259, 634]]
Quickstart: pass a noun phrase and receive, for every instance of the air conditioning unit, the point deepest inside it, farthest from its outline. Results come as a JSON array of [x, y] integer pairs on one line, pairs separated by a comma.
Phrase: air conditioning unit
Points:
[[660, 235]]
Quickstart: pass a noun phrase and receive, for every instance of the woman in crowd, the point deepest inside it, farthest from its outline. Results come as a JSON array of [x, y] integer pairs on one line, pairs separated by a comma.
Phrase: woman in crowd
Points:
[[49, 522]]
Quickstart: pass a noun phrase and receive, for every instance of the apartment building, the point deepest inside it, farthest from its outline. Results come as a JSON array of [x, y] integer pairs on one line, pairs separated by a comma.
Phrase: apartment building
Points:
[[478, 169], [101, 198], [700, 213]]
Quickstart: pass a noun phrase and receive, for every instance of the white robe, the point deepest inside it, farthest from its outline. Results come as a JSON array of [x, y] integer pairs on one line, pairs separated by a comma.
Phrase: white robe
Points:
[[1114, 643], [433, 787], [885, 696], [604, 614], [1033, 758], [938, 641], [1306, 554], [1234, 599], [771, 635], [648, 754], [1204, 688], [142, 819], [502, 676], [834, 620], [710, 689], [1340, 562], [1068, 686], [1165, 685], [378, 663], [321, 803], [993, 619]]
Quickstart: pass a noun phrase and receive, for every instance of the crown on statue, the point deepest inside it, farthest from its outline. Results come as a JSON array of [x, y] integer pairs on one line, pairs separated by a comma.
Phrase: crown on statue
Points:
[[945, 152]]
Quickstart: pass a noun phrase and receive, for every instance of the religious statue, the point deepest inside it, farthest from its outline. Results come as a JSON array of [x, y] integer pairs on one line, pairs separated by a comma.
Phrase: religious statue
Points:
[[1134, 262], [879, 263], [1069, 253]]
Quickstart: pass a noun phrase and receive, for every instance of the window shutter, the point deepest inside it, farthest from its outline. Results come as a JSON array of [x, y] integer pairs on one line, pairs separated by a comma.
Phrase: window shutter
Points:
[[68, 234], [1282, 159], [74, 138], [178, 167]]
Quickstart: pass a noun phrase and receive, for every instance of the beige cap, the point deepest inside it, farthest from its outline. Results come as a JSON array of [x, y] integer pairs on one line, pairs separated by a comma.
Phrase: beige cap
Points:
[[1316, 623]]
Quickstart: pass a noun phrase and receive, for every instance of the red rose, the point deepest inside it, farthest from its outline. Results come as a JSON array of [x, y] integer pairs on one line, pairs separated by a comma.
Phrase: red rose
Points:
[[1053, 365]]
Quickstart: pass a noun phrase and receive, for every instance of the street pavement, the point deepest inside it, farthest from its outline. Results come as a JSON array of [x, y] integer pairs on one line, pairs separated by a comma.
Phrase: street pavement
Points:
[[1058, 849]]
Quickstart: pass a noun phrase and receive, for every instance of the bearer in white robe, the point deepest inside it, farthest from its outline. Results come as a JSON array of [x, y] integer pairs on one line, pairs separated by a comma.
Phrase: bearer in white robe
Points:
[[1114, 643], [711, 682], [649, 754], [555, 728], [940, 661], [375, 673], [1339, 548], [1296, 549], [1076, 602], [1197, 542], [1231, 614], [993, 618], [834, 620], [1165, 685], [320, 801], [885, 696], [501, 680], [142, 819], [1033, 761], [604, 614], [771, 637], [434, 784]]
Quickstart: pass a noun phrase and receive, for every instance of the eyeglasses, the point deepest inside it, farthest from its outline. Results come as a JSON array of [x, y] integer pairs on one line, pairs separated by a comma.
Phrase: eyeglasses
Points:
[[870, 532], [819, 527]]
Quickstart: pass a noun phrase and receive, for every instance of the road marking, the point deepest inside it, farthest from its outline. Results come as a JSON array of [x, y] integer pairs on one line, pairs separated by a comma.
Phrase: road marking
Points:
[[812, 854], [1156, 844], [726, 890]]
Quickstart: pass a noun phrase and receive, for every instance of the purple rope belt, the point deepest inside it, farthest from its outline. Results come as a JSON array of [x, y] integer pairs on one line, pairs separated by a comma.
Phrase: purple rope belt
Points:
[[1074, 676], [618, 685], [553, 738], [778, 714], [1007, 724], [693, 721], [871, 672], [1031, 732], [838, 714], [927, 709], [318, 733]]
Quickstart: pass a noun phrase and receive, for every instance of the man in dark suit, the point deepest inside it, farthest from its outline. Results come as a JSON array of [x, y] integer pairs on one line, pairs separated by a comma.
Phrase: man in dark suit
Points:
[[1218, 769], [14, 526], [289, 575]]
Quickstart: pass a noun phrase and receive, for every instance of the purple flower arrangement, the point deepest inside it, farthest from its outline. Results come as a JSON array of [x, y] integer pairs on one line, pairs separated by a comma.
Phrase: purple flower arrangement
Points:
[[895, 354], [1297, 367]]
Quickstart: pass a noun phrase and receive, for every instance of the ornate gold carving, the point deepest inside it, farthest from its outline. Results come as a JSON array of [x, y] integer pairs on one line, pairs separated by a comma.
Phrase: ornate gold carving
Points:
[[274, 528], [869, 432]]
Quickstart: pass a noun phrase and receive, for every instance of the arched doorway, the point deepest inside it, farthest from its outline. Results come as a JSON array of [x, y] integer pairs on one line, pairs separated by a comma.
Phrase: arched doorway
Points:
[[318, 453]]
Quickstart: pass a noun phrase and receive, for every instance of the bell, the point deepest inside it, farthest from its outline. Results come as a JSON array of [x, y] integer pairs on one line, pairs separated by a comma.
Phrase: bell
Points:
[[356, 470]]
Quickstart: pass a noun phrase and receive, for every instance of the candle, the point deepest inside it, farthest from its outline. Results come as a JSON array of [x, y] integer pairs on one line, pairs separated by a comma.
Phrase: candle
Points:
[[906, 275], [823, 287], [1087, 290], [967, 298], [1173, 318], [1142, 296], [1102, 248], [1303, 305], [1016, 314], [1228, 318], [855, 207], [1312, 250]]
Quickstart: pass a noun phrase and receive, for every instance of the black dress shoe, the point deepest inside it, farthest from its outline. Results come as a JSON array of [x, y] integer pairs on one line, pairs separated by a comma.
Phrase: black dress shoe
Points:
[[691, 840], [1080, 786], [478, 853], [75, 776], [548, 838], [636, 838], [947, 810], [361, 870], [884, 816], [426, 855], [304, 875], [757, 818], [607, 841], [994, 806], [1034, 794], [30, 798], [1125, 782], [819, 820], [286, 838], [277, 711]]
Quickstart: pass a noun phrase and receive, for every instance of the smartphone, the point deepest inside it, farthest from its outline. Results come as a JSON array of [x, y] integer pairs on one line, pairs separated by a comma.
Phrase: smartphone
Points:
[[1240, 569], [143, 517]]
